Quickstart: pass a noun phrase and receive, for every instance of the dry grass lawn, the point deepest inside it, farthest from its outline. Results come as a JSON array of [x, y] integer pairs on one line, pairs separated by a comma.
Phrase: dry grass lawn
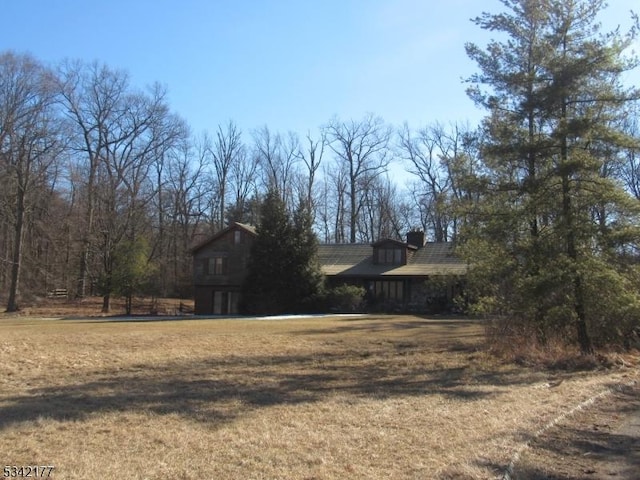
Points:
[[316, 398]]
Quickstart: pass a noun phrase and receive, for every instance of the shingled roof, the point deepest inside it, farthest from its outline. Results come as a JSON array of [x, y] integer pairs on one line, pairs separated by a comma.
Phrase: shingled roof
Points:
[[243, 226], [356, 260]]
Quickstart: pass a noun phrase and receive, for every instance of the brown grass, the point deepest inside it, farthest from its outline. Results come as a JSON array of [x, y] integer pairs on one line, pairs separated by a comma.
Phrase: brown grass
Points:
[[598, 442], [331, 398]]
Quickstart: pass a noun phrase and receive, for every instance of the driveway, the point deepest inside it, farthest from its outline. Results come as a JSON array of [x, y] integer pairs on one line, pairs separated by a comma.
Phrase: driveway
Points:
[[601, 442]]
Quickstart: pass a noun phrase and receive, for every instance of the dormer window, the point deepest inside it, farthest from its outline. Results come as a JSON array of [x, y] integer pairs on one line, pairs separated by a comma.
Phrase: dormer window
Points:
[[389, 256]]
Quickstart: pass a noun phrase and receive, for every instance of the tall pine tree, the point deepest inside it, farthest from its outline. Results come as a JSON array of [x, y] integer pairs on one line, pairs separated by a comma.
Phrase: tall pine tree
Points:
[[283, 270], [306, 276], [545, 239]]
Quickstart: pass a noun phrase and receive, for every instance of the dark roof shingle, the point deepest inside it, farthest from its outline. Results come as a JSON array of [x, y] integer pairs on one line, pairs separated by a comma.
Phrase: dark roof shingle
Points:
[[356, 259]]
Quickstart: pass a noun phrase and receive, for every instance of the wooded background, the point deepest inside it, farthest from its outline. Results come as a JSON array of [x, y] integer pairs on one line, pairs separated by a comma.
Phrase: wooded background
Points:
[[103, 189]]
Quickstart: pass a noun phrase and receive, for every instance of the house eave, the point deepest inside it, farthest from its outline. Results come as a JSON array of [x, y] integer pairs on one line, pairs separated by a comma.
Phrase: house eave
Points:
[[247, 228]]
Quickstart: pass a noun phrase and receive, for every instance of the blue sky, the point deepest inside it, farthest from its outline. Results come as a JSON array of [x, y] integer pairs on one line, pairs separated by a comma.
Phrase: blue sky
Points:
[[287, 64]]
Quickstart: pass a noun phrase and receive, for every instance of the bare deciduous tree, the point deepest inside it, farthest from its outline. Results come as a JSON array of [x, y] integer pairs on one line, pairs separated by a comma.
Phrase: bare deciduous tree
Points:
[[118, 132], [381, 217], [28, 146], [362, 147], [311, 156], [92, 96], [227, 149], [187, 199], [277, 157], [171, 138], [439, 157]]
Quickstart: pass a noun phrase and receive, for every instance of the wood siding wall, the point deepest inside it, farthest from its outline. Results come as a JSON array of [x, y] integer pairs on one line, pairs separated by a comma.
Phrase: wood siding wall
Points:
[[220, 282]]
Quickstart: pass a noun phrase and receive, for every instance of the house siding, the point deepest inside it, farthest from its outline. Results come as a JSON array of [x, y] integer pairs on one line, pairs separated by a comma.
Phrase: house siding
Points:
[[217, 284], [423, 278]]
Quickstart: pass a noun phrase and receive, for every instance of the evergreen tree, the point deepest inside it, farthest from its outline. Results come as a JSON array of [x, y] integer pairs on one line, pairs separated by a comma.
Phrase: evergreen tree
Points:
[[547, 235], [131, 270], [282, 269], [307, 279]]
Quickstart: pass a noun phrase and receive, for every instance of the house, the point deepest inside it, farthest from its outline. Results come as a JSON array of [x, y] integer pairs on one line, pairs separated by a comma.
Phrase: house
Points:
[[413, 275], [219, 268], [405, 276]]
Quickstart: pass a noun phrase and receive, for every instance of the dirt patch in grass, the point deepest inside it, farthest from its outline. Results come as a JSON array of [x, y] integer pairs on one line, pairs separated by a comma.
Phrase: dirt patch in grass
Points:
[[331, 398]]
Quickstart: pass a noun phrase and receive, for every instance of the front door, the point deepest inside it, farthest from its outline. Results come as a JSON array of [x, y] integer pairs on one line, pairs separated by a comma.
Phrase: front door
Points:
[[220, 303]]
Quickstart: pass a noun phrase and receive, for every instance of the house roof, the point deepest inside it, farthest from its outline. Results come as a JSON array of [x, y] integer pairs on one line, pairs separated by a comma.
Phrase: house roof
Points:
[[390, 241], [356, 260], [235, 225], [249, 228]]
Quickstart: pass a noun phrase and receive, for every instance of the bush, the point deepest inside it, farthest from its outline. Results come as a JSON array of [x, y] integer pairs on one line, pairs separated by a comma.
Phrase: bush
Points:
[[521, 343], [345, 298]]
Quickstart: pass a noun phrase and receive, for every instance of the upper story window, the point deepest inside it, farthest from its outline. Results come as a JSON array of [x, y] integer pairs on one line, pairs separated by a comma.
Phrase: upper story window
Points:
[[389, 256], [216, 266], [237, 237]]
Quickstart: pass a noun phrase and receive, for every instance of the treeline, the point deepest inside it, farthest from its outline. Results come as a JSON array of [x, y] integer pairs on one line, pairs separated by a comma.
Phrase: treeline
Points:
[[542, 196], [93, 168]]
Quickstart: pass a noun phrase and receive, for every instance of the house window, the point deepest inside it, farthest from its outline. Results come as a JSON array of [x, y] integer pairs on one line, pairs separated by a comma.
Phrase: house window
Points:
[[217, 266], [237, 237], [389, 256], [389, 290]]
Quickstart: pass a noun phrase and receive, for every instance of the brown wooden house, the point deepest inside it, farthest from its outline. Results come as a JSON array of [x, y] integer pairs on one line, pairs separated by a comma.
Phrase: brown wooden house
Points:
[[219, 268], [401, 276], [411, 275]]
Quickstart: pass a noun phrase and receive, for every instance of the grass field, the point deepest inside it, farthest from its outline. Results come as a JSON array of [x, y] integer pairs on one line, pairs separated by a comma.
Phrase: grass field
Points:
[[317, 398]]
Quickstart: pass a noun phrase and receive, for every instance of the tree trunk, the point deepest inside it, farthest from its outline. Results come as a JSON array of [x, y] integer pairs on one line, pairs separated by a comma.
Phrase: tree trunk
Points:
[[106, 303], [129, 303], [584, 340], [353, 217], [14, 285], [86, 239]]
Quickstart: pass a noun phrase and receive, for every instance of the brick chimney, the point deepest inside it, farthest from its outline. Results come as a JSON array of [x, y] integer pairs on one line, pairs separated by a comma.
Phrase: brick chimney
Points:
[[416, 238]]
